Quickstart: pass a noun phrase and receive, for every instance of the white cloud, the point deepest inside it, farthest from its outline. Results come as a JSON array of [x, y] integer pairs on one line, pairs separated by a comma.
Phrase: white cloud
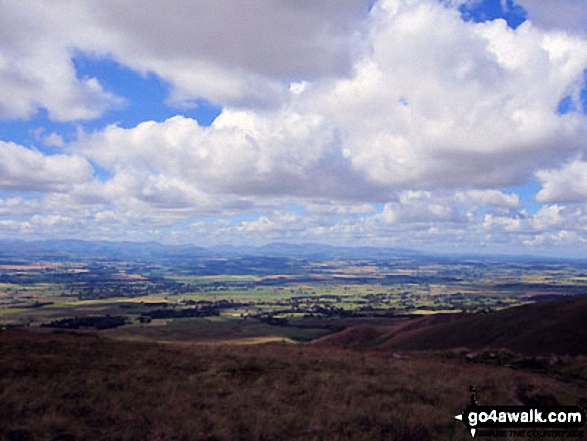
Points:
[[485, 198], [278, 223], [22, 169], [17, 207], [505, 223], [230, 52], [242, 154], [565, 184], [569, 15], [421, 207], [482, 100], [481, 112], [35, 63], [53, 139], [234, 51], [330, 208], [548, 219]]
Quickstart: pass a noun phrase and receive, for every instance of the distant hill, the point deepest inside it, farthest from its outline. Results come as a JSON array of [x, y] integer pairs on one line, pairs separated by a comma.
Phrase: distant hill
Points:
[[89, 250], [322, 251], [80, 249], [557, 327], [74, 249]]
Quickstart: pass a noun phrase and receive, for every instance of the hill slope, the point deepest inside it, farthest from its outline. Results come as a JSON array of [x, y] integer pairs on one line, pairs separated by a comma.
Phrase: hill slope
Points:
[[76, 386], [546, 327], [364, 336]]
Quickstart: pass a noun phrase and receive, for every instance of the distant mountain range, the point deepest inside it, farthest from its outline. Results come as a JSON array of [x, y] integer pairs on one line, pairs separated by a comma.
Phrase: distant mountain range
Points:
[[68, 249]]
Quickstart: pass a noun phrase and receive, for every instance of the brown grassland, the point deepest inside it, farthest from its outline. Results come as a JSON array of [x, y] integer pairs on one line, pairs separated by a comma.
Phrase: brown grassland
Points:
[[80, 386]]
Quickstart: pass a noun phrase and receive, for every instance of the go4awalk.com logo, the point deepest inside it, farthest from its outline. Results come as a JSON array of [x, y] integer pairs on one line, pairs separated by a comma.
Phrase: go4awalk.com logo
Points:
[[536, 421]]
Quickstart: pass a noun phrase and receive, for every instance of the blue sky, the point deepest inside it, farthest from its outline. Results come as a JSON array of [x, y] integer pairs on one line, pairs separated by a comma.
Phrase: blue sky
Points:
[[438, 125]]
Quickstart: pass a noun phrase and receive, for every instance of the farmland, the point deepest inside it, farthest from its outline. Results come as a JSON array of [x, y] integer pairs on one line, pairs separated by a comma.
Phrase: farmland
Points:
[[240, 297]]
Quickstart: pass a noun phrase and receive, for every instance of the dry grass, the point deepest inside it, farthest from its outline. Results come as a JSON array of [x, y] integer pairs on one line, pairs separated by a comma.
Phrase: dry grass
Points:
[[68, 386]]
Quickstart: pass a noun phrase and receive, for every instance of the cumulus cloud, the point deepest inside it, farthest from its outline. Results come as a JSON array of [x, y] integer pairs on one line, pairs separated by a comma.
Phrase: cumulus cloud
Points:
[[486, 198], [565, 184], [328, 208], [17, 207], [448, 105], [230, 52], [420, 207], [568, 15], [22, 169], [241, 154], [276, 224], [53, 139], [548, 219], [234, 51], [35, 63], [554, 228], [481, 100]]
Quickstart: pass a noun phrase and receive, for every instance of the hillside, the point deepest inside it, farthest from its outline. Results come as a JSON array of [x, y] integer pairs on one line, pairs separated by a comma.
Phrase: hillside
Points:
[[540, 328], [72, 386], [365, 336], [549, 327]]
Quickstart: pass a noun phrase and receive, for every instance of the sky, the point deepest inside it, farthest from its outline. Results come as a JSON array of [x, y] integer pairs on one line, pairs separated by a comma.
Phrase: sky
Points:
[[436, 125]]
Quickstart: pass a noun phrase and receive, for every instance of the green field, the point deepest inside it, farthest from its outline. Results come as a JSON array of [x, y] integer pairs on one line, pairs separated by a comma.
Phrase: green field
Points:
[[246, 298]]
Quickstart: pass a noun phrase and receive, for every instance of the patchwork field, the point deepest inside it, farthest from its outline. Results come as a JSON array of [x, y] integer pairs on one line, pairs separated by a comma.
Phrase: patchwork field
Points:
[[244, 297]]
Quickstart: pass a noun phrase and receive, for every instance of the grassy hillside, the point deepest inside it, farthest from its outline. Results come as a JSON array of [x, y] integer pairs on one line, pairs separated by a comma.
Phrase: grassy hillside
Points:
[[370, 336], [556, 327], [66, 386], [550, 327]]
